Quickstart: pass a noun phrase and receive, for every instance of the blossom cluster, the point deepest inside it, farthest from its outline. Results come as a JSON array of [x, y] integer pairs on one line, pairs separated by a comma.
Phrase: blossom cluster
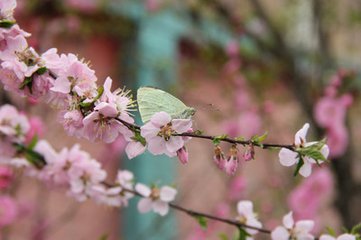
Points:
[[73, 169], [85, 109]]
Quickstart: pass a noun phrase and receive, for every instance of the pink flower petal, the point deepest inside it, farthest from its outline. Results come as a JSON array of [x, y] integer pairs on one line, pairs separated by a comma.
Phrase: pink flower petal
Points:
[[181, 125], [145, 205], [288, 157], [167, 194], [174, 144], [161, 207], [160, 119], [280, 233], [134, 149], [301, 134], [288, 220], [143, 189]]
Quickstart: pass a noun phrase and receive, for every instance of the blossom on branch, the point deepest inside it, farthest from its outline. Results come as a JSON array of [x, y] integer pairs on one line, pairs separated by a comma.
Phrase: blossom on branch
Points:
[[291, 230], [248, 217], [159, 134], [155, 199], [288, 158]]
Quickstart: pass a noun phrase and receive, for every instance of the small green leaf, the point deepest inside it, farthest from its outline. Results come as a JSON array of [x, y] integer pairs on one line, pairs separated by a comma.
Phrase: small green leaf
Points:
[[33, 142], [242, 234], [198, 132], [7, 23], [240, 139], [259, 139], [299, 165], [41, 70], [27, 82], [138, 138], [356, 229], [217, 139], [202, 221], [331, 231]]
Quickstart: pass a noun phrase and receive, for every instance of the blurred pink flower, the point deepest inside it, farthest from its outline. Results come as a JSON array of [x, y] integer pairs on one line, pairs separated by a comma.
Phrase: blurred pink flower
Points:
[[237, 188], [36, 129], [307, 198], [337, 139], [232, 49], [8, 211]]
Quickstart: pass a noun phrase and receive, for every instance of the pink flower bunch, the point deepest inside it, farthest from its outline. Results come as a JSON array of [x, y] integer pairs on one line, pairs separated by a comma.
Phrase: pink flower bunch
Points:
[[230, 164], [307, 198], [330, 113], [7, 9], [14, 127], [86, 110]]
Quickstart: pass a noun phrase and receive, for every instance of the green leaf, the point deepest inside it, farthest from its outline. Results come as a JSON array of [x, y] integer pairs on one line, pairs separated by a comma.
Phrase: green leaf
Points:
[[198, 132], [356, 229], [331, 231], [312, 152], [259, 139], [242, 234], [6, 23], [299, 165], [27, 82], [41, 70], [202, 221], [138, 138], [33, 142], [217, 139], [223, 236]]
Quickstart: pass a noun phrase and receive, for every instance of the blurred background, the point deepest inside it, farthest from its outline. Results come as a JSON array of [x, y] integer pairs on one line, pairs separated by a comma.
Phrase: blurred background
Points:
[[248, 67]]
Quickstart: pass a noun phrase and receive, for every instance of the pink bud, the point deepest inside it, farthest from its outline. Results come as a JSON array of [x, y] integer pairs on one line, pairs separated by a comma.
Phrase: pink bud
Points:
[[232, 49], [219, 158], [249, 153], [182, 155], [232, 163], [346, 99]]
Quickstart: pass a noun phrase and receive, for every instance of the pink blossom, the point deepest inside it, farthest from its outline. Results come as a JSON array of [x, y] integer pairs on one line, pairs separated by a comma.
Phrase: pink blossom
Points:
[[288, 158], [329, 111], [13, 124], [8, 211], [77, 77], [6, 177], [101, 123], [72, 122], [84, 174], [291, 230], [8, 36], [247, 216], [337, 139], [219, 158], [344, 236], [7, 9], [159, 131], [232, 161], [134, 148], [155, 199]]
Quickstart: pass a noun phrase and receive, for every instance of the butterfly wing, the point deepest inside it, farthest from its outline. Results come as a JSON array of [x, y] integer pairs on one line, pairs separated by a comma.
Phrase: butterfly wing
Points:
[[153, 100]]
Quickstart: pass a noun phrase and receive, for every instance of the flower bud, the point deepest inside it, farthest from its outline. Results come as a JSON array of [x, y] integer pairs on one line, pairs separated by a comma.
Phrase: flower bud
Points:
[[182, 155], [219, 158]]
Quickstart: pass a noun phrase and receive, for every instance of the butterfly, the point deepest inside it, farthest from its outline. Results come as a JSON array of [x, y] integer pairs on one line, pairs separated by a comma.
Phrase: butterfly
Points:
[[152, 100]]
